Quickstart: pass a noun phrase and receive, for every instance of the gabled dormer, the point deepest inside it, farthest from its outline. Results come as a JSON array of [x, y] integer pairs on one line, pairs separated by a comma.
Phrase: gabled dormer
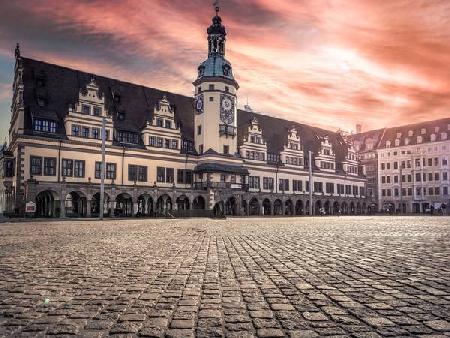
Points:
[[292, 154], [84, 120], [161, 131], [350, 165], [325, 158], [254, 147]]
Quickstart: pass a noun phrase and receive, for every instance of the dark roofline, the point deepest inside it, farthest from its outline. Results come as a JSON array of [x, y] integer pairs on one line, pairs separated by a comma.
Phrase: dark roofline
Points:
[[104, 76]]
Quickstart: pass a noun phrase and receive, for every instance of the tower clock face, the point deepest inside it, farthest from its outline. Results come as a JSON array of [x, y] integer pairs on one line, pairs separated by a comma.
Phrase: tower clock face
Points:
[[227, 109], [199, 104]]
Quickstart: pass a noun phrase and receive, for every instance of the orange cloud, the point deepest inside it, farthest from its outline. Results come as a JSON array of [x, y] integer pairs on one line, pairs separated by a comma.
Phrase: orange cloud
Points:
[[328, 63]]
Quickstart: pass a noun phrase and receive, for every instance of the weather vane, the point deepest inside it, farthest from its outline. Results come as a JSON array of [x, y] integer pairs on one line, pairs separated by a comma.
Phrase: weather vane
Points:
[[216, 4]]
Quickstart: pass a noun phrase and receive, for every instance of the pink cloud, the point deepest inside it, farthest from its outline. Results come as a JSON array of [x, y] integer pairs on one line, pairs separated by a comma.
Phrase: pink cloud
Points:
[[328, 63]]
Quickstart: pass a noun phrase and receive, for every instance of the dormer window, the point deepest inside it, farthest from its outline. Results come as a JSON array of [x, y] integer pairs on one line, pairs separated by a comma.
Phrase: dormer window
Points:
[[399, 135], [97, 111], [44, 126], [419, 139], [406, 141], [388, 144], [436, 129], [226, 70], [201, 70], [443, 136], [433, 137], [227, 89], [327, 151], [167, 124], [397, 142], [410, 133], [86, 109], [423, 131], [211, 87], [159, 122], [41, 101]]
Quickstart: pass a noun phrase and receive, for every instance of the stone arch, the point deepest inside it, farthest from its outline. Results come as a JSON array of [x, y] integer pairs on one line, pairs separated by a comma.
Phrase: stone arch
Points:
[[327, 207], [144, 205], [344, 208], [277, 207], [124, 205], [288, 207], [336, 208], [318, 207], [231, 206], [358, 208], [75, 204], [46, 205], [267, 207], [352, 208], [95, 204], [183, 202], [163, 205], [199, 203], [253, 207], [299, 207], [219, 210]]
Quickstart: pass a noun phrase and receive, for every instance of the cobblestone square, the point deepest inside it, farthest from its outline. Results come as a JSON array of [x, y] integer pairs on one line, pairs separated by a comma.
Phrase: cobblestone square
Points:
[[249, 277]]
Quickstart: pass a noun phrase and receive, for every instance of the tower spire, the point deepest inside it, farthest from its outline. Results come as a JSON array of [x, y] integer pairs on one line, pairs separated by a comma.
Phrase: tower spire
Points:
[[216, 5]]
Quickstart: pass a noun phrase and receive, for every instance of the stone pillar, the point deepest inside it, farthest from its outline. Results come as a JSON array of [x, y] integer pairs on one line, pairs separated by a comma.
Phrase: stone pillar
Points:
[[62, 208], [88, 208]]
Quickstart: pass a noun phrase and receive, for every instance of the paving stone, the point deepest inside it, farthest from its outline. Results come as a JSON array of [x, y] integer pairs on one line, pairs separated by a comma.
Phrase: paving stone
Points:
[[265, 277]]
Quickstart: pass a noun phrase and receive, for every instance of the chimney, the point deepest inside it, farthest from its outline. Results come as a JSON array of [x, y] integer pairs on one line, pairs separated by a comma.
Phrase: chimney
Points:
[[358, 128]]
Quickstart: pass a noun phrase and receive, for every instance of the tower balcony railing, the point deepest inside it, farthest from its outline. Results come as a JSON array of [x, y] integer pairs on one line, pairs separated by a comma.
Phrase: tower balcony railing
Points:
[[227, 130]]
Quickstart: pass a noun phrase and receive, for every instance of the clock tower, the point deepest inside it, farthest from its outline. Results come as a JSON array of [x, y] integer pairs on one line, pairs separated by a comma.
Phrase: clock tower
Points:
[[215, 96]]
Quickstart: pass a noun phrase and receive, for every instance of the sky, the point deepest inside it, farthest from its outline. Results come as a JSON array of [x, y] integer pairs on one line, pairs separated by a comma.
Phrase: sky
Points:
[[328, 63]]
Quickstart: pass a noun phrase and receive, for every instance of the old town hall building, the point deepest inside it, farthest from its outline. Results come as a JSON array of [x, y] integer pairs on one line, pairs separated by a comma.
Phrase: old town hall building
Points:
[[166, 154]]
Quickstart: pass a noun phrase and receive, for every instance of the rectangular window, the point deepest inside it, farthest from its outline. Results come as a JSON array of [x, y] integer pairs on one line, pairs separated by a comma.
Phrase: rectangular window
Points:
[[49, 166], [75, 130], [355, 190], [168, 124], [35, 165], [283, 184], [329, 188], [253, 182], [37, 125], [167, 143], [78, 168], [97, 111], [96, 133], [418, 177], [318, 187], [200, 149], [159, 142], [382, 166], [174, 144], [67, 168], [199, 130], [348, 189], [52, 127], [184, 176], [152, 141], [211, 87], [86, 109], [170, 175], [45, 126], [226, 149], [445, 191], [160, 174], [436, 176], [362, 191], [268, 183], [85, 132], [111, 171]]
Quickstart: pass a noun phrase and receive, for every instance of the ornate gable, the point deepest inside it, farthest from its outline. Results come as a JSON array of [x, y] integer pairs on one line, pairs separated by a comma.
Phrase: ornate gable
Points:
[[162, 131], [254, 147]]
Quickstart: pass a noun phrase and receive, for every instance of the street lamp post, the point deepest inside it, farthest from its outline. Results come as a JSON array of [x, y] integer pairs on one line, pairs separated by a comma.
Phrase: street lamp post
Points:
[[103, 170]]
